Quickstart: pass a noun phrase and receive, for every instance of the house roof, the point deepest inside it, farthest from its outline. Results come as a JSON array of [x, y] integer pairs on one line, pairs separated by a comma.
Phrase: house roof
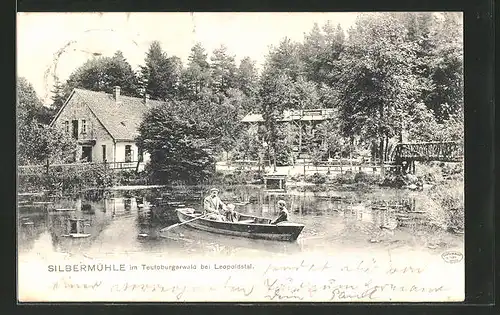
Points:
[[289, 115], [252, 118], [121, 119]]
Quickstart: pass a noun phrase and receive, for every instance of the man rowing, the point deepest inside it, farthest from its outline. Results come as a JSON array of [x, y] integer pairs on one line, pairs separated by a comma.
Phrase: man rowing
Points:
[[216, 209]]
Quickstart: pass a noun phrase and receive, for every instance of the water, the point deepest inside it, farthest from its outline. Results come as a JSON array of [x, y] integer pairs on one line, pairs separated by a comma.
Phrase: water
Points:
[[335, 221]]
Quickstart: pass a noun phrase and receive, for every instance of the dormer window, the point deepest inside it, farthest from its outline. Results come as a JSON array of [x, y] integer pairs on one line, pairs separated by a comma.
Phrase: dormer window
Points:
[[84, 126]]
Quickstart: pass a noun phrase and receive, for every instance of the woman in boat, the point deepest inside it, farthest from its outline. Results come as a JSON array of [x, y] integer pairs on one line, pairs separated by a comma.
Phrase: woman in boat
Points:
[[212, 204], [283, 212]]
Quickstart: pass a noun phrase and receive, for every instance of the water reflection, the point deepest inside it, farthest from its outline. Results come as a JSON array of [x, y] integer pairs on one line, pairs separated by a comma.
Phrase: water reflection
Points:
[[128, 222]]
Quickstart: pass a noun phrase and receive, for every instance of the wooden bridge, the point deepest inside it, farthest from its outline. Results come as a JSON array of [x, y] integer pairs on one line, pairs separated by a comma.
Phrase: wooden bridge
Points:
[[405, 154]]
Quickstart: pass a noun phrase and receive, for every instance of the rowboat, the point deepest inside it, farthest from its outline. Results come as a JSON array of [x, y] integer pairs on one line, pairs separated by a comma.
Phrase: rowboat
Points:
[[247, 226]]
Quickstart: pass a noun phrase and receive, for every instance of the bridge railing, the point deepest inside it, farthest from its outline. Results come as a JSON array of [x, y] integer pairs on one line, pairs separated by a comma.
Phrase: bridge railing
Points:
[[428, 151]]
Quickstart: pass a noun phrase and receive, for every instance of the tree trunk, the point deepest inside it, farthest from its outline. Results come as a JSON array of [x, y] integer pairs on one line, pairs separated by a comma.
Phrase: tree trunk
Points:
[[386, 148], [381, 152], [381, 136]]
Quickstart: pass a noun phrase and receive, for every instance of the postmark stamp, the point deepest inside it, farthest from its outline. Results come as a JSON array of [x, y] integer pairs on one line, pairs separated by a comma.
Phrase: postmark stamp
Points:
[[452, 256]]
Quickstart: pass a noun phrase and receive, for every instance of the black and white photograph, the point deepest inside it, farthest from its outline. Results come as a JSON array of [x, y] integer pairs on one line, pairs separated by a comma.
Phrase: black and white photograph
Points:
[[240, 157]]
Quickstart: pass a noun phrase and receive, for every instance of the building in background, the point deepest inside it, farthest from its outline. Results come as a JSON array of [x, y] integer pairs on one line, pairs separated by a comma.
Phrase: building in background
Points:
[[300, 118], [105, 126]]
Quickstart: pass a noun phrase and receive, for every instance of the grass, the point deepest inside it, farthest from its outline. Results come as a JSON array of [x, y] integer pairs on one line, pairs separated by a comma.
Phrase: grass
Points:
[[445, 202]]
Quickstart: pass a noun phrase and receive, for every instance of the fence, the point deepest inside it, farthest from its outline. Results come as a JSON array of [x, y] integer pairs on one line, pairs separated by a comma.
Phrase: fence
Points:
[[37, 169]]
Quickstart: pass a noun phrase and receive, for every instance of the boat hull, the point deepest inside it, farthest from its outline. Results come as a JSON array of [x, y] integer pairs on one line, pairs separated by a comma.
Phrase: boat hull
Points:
[[286, 231]]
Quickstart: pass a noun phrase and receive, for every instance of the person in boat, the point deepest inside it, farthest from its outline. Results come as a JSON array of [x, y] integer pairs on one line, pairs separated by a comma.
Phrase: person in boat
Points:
[[230, 214], [212, 204], [282, 214]]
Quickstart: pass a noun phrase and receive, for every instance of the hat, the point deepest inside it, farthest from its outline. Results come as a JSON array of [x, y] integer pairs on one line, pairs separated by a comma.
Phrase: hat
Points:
[[281, 203], [214, 189]]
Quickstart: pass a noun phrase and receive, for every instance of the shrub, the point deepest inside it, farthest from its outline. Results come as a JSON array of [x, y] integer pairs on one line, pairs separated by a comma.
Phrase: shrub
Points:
[[362, 177], [449, 198], [316, 178], [70, 179], [344, 178]]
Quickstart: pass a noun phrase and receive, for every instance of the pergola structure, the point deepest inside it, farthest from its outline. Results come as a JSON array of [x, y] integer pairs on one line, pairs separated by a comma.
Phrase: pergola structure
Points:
[[300, 118]]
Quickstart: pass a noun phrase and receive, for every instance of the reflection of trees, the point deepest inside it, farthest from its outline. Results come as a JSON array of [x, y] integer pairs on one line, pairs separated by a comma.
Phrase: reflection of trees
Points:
[[94, 224], [30, 229]]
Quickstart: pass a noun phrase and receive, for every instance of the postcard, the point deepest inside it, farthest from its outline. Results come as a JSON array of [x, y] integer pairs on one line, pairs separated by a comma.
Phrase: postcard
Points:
[[240, 157]]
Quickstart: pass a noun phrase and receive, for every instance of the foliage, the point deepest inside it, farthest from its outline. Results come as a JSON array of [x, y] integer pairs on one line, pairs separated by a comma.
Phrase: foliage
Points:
[[316, 178], [180, 148], [223, 71], [160, 75], [377, 85], [196, 77], [396, 77], [362, 177], [449, 197], [102, 74], [69, 179], [247, 82], [38, 143]]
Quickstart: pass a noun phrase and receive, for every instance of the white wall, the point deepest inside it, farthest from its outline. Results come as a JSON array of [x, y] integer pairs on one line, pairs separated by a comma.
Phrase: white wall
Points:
[[97, 151], [120, 152]]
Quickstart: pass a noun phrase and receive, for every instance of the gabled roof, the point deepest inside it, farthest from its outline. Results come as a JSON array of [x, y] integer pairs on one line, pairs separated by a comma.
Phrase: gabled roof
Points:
[[120, 120]]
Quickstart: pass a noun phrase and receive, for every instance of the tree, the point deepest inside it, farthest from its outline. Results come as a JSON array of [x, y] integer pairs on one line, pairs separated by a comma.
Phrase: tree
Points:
[[196, 76], [285, 58], [247, 77], [446, 68], [58, 95], [102, 74], [312, 54], [160, 74], [223, 71], [377, 85], [180, 147], [305, 94], [37, 143], [276, 95], [28, 103]]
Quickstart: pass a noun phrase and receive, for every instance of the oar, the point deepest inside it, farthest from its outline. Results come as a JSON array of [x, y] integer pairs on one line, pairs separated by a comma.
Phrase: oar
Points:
[[178, 224]]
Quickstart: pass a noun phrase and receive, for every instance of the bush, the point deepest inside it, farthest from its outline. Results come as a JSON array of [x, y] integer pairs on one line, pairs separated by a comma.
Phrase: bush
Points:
[[70, 179], [130, 177], [235, 178], [362, 177], [344, 178], [316, 178], [449, 197]]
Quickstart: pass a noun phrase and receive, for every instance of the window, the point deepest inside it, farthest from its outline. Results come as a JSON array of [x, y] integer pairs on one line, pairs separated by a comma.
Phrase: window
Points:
[[104, 153], [66, 126], [128, 153], [87, 153], [75, 129], [84, 126]]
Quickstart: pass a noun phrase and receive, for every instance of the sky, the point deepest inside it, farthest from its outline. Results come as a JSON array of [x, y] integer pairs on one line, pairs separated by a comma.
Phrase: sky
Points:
[[51, 44]]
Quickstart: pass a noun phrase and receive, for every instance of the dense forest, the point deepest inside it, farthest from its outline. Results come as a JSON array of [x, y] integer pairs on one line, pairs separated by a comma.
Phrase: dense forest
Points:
[[391, 77]]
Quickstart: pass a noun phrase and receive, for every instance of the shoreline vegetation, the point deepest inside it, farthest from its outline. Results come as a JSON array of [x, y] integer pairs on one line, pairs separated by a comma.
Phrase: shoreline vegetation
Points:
[[442, 184]]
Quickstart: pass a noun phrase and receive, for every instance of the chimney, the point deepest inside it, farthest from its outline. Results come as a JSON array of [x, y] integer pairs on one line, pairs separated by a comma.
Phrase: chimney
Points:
[[146, 98], [116, 94]]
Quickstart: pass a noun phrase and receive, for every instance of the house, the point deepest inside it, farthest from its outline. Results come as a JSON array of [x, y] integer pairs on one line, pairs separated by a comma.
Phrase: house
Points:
[[301, 118], [105, 126]]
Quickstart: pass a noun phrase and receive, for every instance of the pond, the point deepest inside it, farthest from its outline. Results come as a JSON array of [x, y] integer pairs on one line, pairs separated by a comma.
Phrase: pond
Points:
[[335, 221]]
